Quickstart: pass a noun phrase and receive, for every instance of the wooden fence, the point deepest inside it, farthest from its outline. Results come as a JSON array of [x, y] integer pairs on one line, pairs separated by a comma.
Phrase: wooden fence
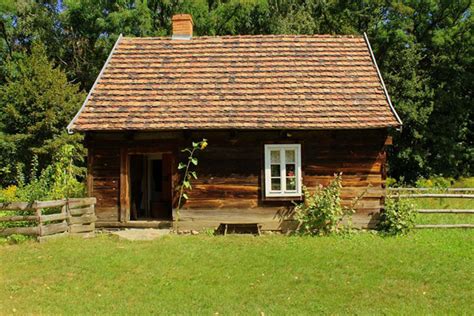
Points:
[[50, 219], [449, 193]]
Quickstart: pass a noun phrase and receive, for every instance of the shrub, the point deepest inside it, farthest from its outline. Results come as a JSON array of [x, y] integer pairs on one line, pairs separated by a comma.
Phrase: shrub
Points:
[[58, 180], [398, 217], [321, 212]]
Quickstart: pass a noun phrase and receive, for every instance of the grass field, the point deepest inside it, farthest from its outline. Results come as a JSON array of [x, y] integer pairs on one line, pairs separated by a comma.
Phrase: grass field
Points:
[[426, 272]]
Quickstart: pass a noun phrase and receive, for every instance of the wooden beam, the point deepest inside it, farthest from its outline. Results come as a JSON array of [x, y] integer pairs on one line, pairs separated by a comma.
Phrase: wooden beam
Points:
[[54, 217], [446, 211], [90, 176], [31, 231], [15, 206], [429, 195], [51, 229], [16, 218], [136, 224], [445, 226], [124, 185], [432, 189]]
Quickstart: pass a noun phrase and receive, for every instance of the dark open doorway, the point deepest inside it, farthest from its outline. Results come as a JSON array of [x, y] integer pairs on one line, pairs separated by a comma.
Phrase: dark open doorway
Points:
[[150, 187]]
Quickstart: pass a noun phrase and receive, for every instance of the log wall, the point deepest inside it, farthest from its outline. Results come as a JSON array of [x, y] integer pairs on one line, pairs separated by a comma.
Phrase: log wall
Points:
[[230, 170]]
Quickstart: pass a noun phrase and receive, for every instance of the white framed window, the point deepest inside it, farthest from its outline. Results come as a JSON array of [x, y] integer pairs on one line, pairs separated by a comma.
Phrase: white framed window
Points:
[[283, 170]]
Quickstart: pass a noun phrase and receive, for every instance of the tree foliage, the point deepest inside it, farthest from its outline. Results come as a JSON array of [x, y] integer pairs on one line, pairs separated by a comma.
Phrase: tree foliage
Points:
[[424, 49], [37, 102]]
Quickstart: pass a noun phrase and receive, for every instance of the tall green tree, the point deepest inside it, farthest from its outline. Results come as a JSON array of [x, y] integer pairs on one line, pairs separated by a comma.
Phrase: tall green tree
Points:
[[425, 51], [36, 104]]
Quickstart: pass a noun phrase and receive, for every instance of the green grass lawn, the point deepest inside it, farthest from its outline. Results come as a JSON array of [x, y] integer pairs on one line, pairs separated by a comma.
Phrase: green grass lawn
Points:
[[426, 272]]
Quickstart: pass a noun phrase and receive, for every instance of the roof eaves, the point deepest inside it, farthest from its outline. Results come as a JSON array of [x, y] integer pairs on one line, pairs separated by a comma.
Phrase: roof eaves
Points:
[[381, 80], [69, 127]]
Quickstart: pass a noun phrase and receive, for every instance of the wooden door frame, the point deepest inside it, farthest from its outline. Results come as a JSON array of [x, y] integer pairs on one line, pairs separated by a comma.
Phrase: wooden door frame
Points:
[[125, 153], [124, 185]]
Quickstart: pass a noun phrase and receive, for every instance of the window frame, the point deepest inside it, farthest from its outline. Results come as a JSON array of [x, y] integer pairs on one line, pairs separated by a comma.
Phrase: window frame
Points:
[[283, 192]]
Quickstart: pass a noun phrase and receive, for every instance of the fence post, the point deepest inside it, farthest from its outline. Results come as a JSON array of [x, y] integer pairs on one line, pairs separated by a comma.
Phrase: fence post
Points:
[[39, 219], [68, 214], [65, 210]]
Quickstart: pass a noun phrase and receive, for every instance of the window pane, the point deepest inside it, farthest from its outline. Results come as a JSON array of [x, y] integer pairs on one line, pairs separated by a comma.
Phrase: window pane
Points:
[[275, 156], [290, 170], [276, 186], [290, 156], [275, 170], [291, 183]]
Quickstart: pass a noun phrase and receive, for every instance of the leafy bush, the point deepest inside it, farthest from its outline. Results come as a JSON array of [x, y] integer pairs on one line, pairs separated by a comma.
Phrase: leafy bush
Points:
[[398, 217], [321, 212], [58, 180]]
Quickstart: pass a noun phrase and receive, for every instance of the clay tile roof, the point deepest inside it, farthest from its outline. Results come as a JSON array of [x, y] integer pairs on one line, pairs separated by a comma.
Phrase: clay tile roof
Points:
[[238, 82]]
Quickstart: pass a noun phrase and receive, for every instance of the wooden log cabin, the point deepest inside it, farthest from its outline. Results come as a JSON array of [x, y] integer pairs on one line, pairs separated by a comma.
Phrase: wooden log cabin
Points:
[[279, 112]]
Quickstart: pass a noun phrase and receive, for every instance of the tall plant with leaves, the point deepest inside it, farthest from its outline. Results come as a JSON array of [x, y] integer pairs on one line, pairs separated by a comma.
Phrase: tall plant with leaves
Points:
[[398, 217], [189, 174], [321, 212]]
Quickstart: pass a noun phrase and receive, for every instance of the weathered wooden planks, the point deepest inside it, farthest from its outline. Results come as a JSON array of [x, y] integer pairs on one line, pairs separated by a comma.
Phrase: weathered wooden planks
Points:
[[82, 210], [54, 217], [29, 231], [73, 229], [18, 218], [76, 216], [51, 229], [16, 206], [230, 169], [84, 219]]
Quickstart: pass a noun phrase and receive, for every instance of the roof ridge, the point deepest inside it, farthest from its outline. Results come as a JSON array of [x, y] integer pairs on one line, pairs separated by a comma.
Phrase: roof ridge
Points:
[[254, 36]]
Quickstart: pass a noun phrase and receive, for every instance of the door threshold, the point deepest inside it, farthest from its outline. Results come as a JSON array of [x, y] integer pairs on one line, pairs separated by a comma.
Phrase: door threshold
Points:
[[136, 224]]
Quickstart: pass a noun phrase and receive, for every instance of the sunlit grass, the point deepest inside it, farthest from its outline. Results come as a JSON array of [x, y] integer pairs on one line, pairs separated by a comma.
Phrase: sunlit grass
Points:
[[426, 272]]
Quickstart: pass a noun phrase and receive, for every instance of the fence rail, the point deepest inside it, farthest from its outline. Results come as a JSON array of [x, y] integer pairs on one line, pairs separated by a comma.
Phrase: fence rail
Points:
[[432, 189], [62, 217], [444, 193], [445, 211], [434, 195]]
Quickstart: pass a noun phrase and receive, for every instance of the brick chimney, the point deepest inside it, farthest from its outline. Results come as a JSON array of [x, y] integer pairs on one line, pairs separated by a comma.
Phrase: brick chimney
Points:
[[182, 26]]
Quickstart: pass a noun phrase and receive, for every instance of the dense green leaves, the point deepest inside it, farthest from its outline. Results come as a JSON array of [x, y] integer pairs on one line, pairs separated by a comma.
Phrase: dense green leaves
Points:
[[425, 52], [321, 212], [37, 102], [424, 49], [60, 179], [398, 216]]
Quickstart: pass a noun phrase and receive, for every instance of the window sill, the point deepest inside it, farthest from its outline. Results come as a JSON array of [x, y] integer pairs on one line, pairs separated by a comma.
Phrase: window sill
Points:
[[296, 198]]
